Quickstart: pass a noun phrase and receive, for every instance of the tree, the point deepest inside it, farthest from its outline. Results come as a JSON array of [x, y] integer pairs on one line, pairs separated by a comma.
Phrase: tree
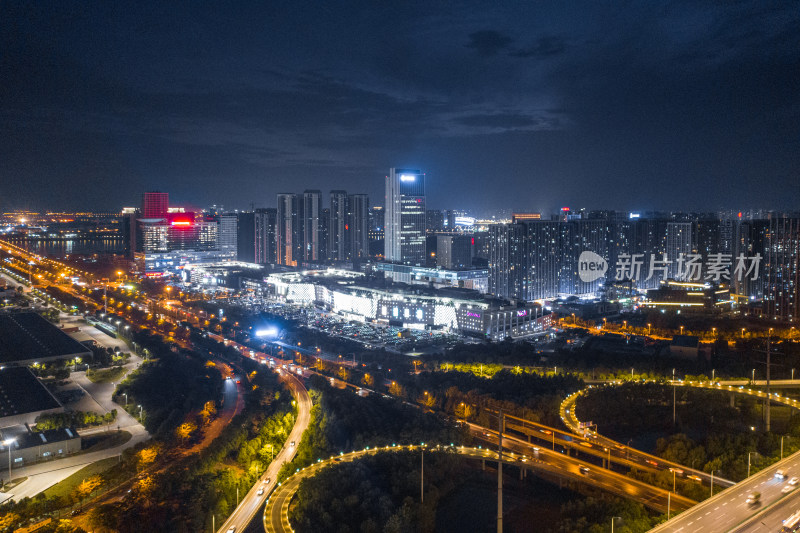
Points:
[[185, 430], [87, 487], [8, 520], [146, 456], [209, 410]]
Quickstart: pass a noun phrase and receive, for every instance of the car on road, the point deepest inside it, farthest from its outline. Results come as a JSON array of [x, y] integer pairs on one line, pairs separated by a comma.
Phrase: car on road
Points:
[[260, 492], [753, 498], [780, 474], [584, 470], [266, 481], [291, 444], [794, 481], [232, 529], [787, 488]]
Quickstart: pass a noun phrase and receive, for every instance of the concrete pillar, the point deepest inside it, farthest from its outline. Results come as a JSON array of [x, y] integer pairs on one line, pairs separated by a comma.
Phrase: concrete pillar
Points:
[[483, 464]]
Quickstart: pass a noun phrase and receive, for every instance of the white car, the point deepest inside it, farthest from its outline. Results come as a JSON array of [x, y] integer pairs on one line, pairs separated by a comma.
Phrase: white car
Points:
[[260, 492], [794, 481], [232, 529], [780, 474], [788, 488]]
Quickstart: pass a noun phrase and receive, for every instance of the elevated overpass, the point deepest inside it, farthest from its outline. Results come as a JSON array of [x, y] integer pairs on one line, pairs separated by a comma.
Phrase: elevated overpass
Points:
[[276, 512]]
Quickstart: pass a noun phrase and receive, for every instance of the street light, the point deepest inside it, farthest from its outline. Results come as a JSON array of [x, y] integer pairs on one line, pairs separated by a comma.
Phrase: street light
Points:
[[8, 443], [681, 330], [648, 328], [612, 522]]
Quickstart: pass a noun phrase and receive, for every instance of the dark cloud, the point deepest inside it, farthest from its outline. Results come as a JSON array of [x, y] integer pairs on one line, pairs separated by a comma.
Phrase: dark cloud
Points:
[[544, 47], [489, 42], [499, 120], [695, 100]]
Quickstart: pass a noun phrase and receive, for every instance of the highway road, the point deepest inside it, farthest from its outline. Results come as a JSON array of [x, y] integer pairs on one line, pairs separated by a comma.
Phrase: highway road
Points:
[[771, 518], [276, 512], [567, 412], [616, 483], [727, 509], [251, 502]]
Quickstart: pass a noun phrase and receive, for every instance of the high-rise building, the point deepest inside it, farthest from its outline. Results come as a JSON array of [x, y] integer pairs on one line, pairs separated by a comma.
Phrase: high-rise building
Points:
[[246, 237], [358, 226], [337, 239], [434, 220], [454, 251], [288, 234], [324, 225], [405, 217], [782, 269], [155, 204], [542, 262], [508, 261], [265, 222], [679, 240], [376, 232], [751, 239], [228, 233], [311, 212]]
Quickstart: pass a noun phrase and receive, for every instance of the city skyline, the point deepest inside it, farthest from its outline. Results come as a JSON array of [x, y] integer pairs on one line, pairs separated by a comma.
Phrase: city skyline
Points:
[[491, 102]]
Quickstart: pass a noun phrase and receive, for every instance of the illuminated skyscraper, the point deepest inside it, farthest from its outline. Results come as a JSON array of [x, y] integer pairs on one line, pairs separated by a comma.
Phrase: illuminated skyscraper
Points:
[[405, 217]]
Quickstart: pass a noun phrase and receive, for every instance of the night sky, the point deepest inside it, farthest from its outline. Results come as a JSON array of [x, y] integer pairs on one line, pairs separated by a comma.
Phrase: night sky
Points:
[[619, 105]]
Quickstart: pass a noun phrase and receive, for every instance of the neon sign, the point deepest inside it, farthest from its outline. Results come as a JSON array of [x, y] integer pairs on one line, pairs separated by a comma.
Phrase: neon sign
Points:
[[473, 315], [407, 177]]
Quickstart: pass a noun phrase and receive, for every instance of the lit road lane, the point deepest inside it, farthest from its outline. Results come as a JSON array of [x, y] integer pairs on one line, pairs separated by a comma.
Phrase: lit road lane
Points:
[[567, 412], [276, 512], [249, 505], [771, 518], [728, 508], [653, 497]]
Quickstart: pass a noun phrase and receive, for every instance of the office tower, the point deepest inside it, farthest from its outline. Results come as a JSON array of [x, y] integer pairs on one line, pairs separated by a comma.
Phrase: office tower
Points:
[[782, 269], [228, 230], [246, 237], [289, 234], [337, 239], [404, 240], [454, 251], [311, 212], [434, 220], [155, 204], [358, 226], [508, 261], [265, 225]]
